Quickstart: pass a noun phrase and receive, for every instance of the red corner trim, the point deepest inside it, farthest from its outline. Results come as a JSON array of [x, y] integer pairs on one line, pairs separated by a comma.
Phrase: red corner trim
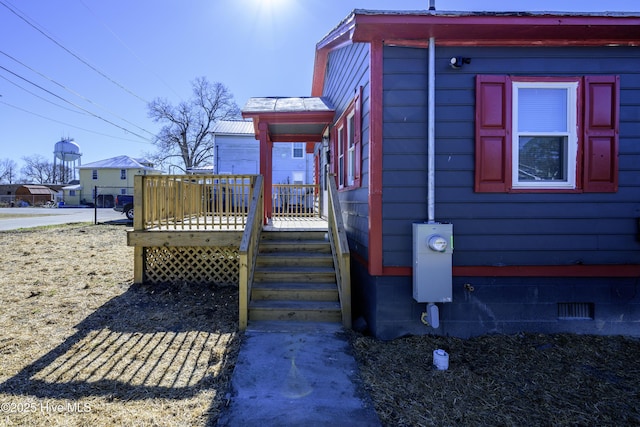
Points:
[[375, 161]]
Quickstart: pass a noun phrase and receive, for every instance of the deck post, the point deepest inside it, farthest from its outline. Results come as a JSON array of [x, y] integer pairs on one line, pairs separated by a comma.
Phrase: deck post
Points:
[[266, 153], [138, 225], [243, 291]]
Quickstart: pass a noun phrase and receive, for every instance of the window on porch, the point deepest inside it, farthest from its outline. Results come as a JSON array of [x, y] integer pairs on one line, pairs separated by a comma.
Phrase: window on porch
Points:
[[347, 146]]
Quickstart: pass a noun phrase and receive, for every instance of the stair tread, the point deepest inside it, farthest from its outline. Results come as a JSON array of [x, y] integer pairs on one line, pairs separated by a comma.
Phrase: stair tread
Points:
[[293, 241], [294, 268], [298, 234], [304, 254], [294, 305], [294, 285], [294, 279]]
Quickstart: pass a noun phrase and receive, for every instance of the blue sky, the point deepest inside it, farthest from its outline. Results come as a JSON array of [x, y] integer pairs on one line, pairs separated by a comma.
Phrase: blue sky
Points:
[[155, 48]]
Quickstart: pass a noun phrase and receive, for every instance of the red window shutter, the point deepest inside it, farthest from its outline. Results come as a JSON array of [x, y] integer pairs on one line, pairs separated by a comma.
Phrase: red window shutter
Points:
[[493, 134], [601, 129], [358, 137]]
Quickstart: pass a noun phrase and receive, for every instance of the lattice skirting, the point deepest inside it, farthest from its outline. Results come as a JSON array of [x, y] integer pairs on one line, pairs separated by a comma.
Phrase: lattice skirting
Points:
[[197, 265]]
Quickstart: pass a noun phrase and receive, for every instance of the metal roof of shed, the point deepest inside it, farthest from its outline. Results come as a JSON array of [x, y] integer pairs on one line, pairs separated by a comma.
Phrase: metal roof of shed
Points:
[[233, 127], [35, 190]]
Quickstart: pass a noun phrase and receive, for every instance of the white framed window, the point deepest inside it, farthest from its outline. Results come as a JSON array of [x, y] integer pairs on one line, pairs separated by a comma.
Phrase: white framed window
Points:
[[298, 150], [94, 174], [351, 148], [123, 191], [123, 174], [346, 145], [298, 177], [545, 139]]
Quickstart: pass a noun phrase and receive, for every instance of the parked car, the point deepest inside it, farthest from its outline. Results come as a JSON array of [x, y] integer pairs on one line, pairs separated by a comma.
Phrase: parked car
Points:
[[124, 203]]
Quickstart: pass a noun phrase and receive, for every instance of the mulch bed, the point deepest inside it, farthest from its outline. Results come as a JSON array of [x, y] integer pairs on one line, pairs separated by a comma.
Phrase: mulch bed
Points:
[[523, 379]]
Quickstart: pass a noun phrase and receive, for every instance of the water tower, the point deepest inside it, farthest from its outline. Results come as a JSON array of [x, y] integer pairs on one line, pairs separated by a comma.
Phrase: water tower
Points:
[[65, 154]]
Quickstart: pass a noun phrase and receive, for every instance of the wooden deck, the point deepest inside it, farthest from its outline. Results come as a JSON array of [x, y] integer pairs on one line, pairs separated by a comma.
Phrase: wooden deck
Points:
[[207, 229], [221, 224]]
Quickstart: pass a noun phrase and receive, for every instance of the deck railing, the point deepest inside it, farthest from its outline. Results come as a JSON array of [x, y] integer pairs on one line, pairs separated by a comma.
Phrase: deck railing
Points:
[[249, 250], [188, 202], [295, 200], [341, 254]]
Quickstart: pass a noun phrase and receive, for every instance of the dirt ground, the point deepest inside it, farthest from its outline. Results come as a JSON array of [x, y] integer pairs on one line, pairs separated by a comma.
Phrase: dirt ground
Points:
[[80, 345]]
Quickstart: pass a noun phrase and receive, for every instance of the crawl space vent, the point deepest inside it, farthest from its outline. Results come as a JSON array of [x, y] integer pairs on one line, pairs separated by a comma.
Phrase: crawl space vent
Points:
[[575, 310]]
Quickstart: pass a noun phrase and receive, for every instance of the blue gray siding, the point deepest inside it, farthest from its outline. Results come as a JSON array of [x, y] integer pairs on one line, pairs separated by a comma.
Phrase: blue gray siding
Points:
[[494, 229], [501, 229], [348, 70], [404, 176], [237, 154], [240, 155]]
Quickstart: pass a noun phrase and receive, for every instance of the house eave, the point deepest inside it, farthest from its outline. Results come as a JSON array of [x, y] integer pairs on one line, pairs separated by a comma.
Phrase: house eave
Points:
[[414, 28], [520, 29]]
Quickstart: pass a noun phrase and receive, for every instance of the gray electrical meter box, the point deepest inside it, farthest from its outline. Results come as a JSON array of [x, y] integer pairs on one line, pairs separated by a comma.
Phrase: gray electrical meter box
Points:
[[432, 261]]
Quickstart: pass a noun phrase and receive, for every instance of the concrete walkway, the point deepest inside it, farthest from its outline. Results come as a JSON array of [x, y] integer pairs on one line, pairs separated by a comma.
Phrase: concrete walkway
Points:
[[297, 374], [16, 218]]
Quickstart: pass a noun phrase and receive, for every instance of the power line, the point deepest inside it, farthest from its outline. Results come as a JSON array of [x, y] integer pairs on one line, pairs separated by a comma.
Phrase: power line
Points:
[[70, 125], [43, 98], [113, 33], [75, 105], [33, 25], [75, 93]]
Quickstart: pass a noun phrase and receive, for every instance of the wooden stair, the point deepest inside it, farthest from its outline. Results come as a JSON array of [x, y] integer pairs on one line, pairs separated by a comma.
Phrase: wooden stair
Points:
[[294, 279]]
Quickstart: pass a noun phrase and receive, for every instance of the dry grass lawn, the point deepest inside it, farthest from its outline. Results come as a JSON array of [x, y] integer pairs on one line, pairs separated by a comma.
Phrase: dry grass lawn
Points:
[[80, 345]]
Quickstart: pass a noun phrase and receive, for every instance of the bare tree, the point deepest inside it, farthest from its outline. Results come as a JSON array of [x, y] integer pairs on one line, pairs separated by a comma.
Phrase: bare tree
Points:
[[37, 169], [186, 135], [8, 170]]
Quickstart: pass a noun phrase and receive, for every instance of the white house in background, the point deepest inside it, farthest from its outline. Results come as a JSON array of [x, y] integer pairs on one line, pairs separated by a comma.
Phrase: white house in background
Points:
[[237, 152], [111, 177]]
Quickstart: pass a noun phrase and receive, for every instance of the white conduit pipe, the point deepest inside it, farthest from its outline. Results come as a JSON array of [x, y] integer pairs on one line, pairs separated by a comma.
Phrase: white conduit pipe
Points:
[[431, 135]]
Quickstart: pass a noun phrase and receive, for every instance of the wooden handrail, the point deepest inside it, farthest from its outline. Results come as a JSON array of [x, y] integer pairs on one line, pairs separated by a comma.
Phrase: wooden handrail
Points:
[[249, 250], [295, 200], [340, 249], [192, 202]]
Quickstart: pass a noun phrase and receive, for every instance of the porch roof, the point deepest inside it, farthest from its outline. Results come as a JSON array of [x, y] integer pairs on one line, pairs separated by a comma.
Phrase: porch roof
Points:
[[290, 119]]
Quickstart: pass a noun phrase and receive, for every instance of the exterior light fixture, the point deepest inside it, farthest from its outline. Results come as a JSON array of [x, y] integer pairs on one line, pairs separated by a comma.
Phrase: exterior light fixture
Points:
[[458, 61]]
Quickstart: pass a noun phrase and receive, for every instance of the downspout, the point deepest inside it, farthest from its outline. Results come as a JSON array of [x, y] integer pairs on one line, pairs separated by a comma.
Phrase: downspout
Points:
[[431, 132]]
